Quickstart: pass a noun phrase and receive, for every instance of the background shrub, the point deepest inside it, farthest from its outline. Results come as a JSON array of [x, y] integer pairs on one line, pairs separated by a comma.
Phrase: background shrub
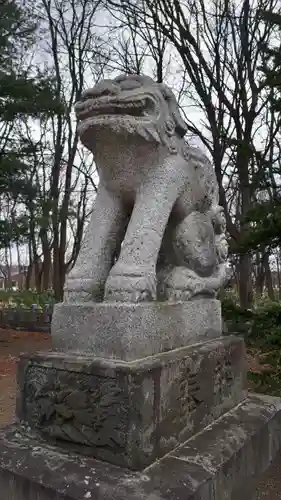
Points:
[[260, 325]]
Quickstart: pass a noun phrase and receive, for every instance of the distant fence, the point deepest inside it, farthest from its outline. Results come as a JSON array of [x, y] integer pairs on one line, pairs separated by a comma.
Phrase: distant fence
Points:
[[26, 319]]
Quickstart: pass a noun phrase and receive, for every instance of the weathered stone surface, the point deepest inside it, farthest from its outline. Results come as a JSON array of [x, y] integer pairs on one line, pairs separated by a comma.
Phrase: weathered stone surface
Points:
[[246, 491], [131, 413], [238, 444], [216, 464], [133, 331], [156, 230]]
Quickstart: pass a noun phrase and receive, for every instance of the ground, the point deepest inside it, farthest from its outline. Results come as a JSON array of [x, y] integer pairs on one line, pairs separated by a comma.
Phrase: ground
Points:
[[264, 376], [12, 343]]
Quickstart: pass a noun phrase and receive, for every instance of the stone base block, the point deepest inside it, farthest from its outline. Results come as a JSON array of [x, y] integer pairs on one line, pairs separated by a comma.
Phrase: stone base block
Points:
[[223, 461], [131, 413], [133, 331]]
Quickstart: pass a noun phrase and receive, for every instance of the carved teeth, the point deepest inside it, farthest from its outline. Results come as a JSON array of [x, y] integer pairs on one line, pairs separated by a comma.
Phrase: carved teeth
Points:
[[107, 105]]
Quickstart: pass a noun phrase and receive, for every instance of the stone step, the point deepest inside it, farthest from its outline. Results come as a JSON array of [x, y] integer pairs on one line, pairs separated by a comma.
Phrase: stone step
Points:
[[223, 462]]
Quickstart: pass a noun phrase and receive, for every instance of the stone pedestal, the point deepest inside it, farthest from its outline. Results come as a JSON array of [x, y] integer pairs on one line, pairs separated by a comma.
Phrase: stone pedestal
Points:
[[137, 416], [130, 331], [131, 413], [221, 462]]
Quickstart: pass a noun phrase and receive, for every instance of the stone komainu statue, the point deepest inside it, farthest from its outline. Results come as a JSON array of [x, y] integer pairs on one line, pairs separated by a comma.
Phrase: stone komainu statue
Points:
[[156, 231]]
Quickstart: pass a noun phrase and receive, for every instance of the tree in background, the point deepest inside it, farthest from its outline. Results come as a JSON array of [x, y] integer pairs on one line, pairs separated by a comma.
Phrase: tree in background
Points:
[[265, 215], [47, 179], [220, 46], [75, 54], [22, 95], [216, 56]]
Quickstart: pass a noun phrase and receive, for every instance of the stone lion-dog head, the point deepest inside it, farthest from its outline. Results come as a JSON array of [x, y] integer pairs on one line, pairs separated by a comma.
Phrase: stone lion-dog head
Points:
[[131, 104]]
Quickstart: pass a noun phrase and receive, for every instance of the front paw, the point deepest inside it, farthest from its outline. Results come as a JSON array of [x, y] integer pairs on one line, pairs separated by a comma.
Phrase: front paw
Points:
[[177, 294], [130, 288], [83, 290]]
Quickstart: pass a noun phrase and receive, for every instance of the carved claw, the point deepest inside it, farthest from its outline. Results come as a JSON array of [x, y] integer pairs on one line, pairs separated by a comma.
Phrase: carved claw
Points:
[[82, 290], [128, 288], [177, 294]]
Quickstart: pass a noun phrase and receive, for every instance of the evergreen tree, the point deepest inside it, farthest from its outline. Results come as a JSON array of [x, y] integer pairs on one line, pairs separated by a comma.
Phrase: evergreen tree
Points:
[[271, 66], [22, 95], [265, 216]]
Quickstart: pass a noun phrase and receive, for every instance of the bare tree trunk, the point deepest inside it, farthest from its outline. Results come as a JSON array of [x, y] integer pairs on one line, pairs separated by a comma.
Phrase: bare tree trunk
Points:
[[278, 275], [268, 278], [29, 269], [28, 277], [46, 271], [245, 281], [37, 273], [18, 257], [8, 280], [47, 259], [260, 277]]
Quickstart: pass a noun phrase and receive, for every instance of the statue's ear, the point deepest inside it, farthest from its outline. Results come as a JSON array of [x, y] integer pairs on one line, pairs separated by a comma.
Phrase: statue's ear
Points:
[[180, 125]]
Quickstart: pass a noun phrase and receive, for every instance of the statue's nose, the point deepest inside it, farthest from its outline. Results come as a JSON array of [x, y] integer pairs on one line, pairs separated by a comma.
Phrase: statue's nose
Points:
[[106, 87], [130, 84]]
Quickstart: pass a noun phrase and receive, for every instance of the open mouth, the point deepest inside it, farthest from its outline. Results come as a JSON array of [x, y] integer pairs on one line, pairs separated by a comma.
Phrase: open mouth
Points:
[[140, 107]]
